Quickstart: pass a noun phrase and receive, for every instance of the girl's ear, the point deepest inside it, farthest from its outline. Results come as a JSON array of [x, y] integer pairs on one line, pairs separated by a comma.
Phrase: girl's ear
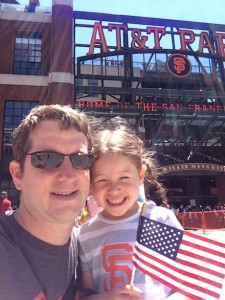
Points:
[[14, 168], [142, 174]]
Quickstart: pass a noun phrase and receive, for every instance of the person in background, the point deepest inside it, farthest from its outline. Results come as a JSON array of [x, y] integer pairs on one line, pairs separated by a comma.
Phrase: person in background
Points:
[[90, 209], [92, 206], [141, 195], [5, 203], [181, 208], [84, 215], [51, 170], [174, 209], [165, 203], [106, 241], [149, 201]]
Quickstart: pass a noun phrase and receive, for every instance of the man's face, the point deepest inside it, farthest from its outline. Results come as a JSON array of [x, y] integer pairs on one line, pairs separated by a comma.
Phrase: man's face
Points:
[[53, 195]]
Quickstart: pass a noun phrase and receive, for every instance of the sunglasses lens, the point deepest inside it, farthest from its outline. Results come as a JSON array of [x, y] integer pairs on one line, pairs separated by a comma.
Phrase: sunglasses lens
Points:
[[46, 160], [82, 162]]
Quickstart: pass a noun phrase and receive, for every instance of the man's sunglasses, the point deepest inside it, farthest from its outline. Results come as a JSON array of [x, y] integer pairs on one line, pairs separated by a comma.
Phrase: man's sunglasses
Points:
[[51, 160]]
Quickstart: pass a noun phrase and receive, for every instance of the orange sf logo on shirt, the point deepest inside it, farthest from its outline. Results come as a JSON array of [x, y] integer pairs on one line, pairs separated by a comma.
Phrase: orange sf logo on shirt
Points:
[[115, 260]]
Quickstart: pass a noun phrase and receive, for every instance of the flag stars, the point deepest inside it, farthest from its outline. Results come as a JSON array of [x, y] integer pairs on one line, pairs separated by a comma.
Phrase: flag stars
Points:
[[160, 238]]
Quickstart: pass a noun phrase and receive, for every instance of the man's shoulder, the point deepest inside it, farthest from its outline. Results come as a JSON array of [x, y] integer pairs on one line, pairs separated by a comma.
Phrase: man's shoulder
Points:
[[8, 244], [7, 228], [5, 220]]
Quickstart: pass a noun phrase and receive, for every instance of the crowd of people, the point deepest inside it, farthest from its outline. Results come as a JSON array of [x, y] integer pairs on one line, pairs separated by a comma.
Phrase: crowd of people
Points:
[[182, 208], [62, 161]]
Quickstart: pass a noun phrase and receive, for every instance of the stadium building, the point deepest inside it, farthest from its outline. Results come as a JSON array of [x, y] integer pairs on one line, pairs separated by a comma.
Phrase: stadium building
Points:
[[166, 77]]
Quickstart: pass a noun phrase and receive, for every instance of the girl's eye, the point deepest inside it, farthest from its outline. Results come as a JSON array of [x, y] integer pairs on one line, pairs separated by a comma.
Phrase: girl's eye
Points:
[[101, 180], [124, 177]]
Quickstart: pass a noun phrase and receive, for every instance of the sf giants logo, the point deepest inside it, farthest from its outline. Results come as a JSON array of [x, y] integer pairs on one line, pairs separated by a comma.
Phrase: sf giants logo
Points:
[[178, 65], [116, 259]]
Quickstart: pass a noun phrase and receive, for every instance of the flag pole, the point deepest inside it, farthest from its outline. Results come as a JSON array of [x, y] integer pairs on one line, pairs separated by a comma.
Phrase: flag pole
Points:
[[143, 209], [143, 212]]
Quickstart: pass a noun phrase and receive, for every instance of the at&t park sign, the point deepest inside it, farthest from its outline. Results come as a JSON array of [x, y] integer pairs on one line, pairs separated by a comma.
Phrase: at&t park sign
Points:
[[204, 42], [187, 45]]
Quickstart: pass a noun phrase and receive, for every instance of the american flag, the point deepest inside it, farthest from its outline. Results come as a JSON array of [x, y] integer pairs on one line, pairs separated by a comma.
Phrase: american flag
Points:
[[188, 263]]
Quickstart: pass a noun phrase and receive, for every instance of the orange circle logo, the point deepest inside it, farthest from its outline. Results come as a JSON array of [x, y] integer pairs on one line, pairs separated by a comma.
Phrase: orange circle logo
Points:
[[178, 65]]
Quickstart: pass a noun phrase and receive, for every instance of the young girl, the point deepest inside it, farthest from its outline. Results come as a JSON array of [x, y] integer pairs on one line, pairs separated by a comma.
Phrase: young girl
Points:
[[106, 241]]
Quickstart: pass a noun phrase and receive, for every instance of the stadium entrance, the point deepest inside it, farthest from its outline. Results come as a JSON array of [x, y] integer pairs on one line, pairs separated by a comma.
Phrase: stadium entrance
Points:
[[167, 78]]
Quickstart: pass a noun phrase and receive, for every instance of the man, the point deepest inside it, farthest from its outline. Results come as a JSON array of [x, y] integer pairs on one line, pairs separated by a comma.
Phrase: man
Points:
[[5, 203], [38, 253]]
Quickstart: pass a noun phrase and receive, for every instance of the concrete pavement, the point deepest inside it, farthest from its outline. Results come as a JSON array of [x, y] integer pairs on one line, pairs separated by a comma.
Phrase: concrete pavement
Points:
[[215, 234]]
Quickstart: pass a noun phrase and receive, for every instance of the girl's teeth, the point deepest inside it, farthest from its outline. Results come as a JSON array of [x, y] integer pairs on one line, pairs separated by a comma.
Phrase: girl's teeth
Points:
[[116, 201]]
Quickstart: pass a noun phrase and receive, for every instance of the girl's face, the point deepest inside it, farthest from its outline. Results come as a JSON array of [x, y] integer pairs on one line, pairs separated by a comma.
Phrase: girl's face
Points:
[[115, 183]]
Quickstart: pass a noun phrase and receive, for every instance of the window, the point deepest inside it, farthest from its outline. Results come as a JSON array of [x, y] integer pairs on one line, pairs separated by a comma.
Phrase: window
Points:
[[27, 54], [78, 82], [13, 113], [94, 83]]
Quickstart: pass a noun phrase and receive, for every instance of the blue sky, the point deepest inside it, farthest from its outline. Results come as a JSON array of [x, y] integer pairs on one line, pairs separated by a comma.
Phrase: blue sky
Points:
[[209, 11]]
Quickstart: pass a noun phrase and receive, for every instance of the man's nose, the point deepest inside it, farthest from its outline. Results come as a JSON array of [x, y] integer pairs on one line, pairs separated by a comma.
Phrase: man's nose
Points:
[[66, 169]]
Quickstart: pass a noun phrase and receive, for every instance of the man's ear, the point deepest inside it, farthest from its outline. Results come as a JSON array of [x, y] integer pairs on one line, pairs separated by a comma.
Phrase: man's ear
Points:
[[142, 174], [14, 168]]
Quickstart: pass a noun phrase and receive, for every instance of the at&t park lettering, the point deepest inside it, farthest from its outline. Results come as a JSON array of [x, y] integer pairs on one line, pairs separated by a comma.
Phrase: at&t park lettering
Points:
[[203, 42], [151, 107]]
